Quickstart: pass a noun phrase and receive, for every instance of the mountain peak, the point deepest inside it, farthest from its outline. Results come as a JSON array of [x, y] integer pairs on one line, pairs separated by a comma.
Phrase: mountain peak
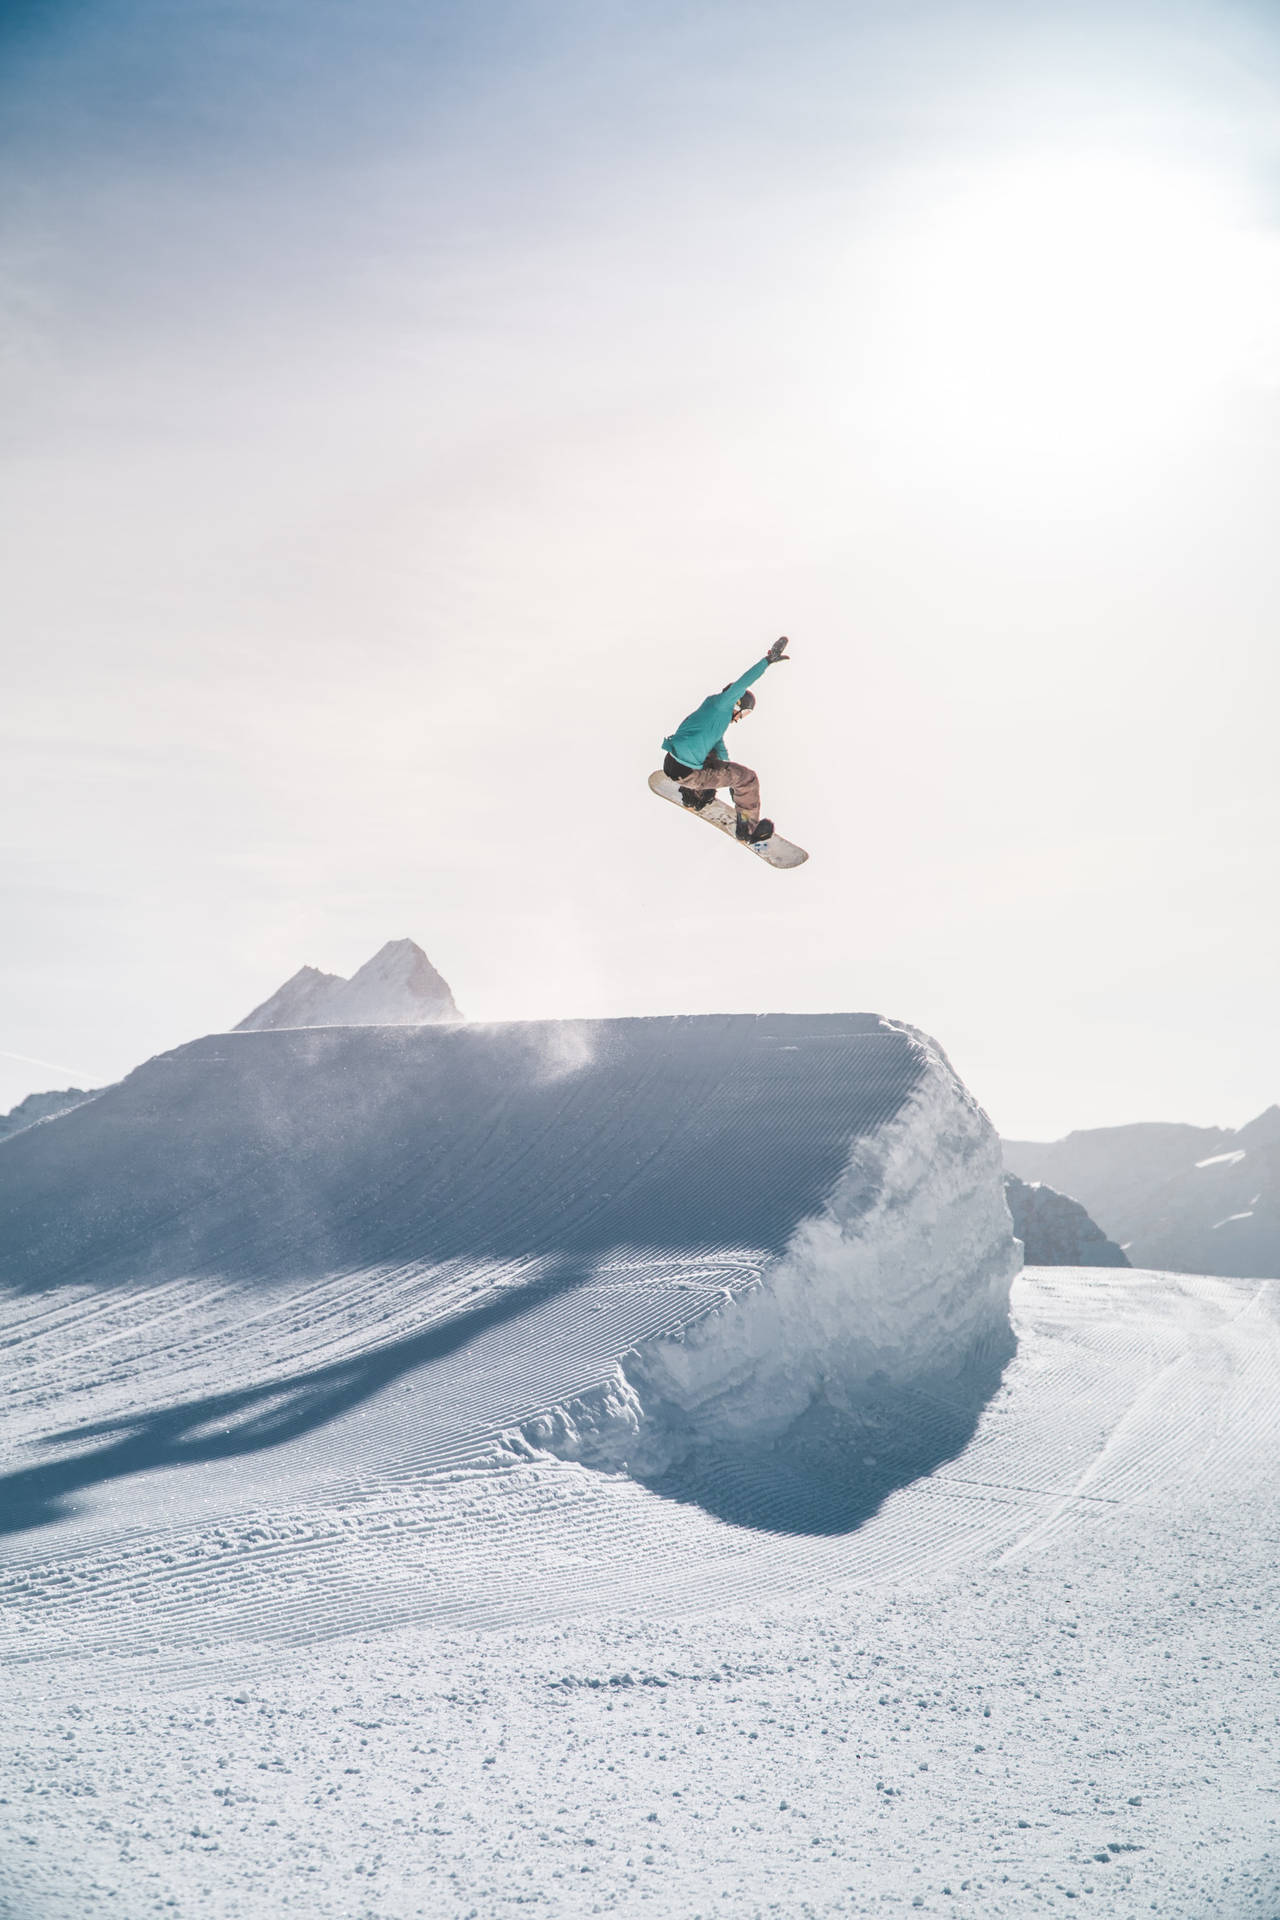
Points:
[[298, 1003], [1263, 1129], [398, 987]]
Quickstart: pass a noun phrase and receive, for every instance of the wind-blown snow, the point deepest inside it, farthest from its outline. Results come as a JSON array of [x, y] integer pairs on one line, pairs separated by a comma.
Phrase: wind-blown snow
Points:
[[831, 1614], [899, 1280], [707, 1233]]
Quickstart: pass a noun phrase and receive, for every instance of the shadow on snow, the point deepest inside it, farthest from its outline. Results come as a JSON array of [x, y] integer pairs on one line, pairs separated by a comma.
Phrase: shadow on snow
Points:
[[828, 1475]]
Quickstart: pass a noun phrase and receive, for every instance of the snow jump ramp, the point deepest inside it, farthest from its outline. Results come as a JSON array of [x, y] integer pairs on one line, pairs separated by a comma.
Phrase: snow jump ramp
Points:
[[759, 1264]]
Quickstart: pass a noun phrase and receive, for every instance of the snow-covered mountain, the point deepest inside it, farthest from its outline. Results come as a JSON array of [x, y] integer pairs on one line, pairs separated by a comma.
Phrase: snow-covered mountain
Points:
[[1184, 1199], [398, 987], [1056, 1231], [299, 1002], [43, 1106]]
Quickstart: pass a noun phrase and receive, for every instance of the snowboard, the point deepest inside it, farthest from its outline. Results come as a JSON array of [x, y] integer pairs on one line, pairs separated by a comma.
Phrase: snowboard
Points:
[[777, 851]]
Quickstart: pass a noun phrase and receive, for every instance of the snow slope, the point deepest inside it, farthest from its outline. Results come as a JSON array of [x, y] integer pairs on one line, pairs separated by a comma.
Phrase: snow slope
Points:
[[38, 1107], [582, 1468], [719, 1249], [1038, 1679]]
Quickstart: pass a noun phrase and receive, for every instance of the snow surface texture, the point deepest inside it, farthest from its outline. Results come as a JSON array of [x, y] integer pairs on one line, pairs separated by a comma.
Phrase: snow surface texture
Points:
[[398, 987], [299, 1325], [899, 1283], [1187, 1199], [1040, 1679], [1056, 1231], [719, 1249]]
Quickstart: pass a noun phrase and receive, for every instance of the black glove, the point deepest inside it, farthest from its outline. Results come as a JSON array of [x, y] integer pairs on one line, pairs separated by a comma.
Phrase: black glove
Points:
[[778, 651]]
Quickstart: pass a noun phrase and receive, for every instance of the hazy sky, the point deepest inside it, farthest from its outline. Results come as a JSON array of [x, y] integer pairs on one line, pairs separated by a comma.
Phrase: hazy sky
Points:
[[410, 411]]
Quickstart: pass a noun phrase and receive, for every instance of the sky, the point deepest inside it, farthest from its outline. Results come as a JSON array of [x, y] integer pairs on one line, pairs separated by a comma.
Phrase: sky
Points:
[[409, 412]]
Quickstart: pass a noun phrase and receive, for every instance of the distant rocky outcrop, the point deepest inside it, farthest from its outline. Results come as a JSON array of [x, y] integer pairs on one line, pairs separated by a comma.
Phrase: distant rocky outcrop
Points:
[[43, 1106], [1178, 1198], [1055, 1230], [399, 987]]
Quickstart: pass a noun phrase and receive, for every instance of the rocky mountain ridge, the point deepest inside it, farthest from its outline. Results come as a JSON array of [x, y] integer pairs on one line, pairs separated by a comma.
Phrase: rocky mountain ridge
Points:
[[398, 987], [1055, 1230], [1177, 1198]]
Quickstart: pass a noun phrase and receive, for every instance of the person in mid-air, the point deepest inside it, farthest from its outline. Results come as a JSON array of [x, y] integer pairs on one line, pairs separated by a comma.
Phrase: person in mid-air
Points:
[[698, 760]]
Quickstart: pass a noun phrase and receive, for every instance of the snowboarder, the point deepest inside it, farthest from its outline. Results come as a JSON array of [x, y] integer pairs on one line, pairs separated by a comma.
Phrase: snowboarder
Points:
[[698, 760]]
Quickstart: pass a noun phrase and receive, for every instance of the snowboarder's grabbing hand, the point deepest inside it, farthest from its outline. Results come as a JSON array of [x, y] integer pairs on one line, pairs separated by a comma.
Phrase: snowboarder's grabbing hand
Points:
[[698, 760]]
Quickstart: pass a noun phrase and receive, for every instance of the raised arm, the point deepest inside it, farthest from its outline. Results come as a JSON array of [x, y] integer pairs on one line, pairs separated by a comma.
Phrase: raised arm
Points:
[[776, 654], [732, 694]]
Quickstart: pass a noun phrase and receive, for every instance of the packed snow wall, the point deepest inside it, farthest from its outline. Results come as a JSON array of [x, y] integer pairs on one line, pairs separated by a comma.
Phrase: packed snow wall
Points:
[[784, 1224]]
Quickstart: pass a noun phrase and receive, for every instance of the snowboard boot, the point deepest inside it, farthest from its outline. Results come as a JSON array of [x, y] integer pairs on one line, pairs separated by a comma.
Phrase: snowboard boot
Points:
[[696, 801], [753, 834]]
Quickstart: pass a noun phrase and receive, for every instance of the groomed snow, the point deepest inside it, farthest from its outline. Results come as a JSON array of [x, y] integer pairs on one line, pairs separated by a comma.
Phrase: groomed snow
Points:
[[1042, 1679], [309, 1607], [274, 1271]]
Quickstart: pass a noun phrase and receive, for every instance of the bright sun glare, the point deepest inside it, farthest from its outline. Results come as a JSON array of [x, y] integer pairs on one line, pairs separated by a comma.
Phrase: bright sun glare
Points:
[[1092, 307]]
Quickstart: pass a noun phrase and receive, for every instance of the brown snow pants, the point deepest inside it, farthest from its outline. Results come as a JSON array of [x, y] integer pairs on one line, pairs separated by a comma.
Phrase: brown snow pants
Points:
[[741, 782]]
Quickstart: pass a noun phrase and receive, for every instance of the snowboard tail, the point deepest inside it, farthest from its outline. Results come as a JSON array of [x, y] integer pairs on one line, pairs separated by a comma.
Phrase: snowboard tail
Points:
[[776, 852]]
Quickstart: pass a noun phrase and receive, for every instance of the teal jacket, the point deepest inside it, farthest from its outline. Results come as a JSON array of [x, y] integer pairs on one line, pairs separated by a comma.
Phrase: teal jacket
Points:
[[703, 731]]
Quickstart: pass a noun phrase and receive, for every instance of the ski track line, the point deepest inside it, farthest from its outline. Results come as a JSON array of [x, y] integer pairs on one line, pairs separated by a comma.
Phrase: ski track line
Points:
[[985, 1515], [1222, 1403], [1169, 1434], [357, 1315], [971, 1506], [280, 1318], [69, 1317], [364, 1305], [1248, 1425], [485, 1393], [392, 1500], [875, 1553]]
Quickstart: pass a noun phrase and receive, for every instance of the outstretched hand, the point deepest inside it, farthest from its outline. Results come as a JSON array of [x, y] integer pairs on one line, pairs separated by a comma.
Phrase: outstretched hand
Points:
[[778, 651]]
